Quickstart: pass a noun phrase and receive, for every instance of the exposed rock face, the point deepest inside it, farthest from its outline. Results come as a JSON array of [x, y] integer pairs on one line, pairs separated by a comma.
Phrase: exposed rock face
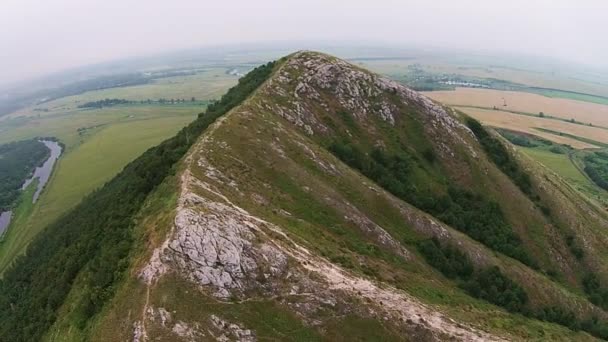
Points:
[[214, 249], [213, 244], [231, 331], [310, 81]]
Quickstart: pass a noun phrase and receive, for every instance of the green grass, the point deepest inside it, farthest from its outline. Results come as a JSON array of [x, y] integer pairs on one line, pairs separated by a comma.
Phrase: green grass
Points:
[[22, 210], [559, 163], [569, 95], [563, 165]]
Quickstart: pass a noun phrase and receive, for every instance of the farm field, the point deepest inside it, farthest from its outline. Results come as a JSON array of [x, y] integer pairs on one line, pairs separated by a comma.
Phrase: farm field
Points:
[[528, 124], [583, 112]]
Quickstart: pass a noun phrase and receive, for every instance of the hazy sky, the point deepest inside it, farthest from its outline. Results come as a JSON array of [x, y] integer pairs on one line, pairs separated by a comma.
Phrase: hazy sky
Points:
[[40, 36]]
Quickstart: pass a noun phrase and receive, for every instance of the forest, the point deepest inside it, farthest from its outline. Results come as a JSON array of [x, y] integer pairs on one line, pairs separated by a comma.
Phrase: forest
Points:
[[17, 162]]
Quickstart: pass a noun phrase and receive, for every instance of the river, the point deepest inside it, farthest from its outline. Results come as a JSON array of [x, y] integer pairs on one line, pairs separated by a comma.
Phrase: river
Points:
[[43, 173]]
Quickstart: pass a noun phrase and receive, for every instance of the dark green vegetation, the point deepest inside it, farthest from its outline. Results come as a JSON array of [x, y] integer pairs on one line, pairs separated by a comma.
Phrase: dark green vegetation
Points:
[[501, 157], [522, 139], [596, 167], [576, 250], [104, 103], [530, 141], [478, 217], [490, 284], [94, 240], [17, 162], [598, 294]]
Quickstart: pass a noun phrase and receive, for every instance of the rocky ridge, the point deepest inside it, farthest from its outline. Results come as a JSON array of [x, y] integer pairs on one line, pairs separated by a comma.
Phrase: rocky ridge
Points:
[[234, 241]]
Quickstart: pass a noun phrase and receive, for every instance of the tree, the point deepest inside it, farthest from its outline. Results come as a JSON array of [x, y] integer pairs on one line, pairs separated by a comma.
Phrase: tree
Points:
[[541, 114], [193, 99]]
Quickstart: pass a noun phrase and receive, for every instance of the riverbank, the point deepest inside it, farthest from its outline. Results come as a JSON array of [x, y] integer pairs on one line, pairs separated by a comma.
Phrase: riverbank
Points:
[[40, 177]]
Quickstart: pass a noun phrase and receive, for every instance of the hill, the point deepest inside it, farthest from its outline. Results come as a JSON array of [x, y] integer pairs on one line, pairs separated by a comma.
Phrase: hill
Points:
[[319, 201]]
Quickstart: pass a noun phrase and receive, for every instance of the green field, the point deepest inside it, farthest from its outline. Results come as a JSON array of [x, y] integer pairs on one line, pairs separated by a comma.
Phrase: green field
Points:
[[570, 95], [564, 166]]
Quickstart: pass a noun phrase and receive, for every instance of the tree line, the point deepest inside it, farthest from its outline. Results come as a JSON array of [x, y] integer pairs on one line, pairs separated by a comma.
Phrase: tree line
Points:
[[114, 102]]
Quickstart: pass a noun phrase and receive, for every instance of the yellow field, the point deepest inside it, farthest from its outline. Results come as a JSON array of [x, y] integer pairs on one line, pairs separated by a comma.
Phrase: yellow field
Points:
[[527, 124], [584, 112]]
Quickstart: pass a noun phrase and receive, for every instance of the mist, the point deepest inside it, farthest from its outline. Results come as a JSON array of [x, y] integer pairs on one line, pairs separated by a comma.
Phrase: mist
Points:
[[39, 37]]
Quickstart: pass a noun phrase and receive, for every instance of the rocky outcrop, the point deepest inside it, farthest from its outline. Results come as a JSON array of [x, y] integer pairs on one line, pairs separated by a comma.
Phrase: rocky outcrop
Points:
[[212, 244], [311, 83], [231, 331]]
